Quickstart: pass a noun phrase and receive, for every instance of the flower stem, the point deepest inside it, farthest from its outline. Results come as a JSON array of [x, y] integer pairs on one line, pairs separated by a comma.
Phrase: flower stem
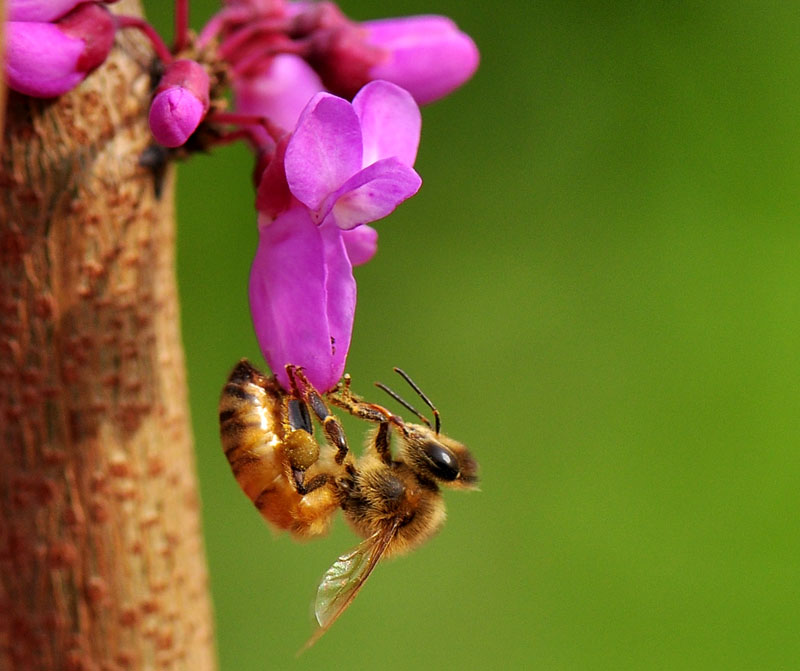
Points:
[[161, 49], [244, 120], [181, 25]]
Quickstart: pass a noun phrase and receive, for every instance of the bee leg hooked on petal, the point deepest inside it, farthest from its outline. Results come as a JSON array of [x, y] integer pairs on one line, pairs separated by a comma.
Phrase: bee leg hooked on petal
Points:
[[330, 424]]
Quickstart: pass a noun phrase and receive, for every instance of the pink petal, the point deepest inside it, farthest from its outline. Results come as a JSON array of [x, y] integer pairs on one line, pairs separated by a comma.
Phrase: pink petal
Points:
[[361, 244], [280, 92], [40, 60], [427, 55], [302, 298], [390, 122], [373, 193], [324, 150], [341, 289], [39, 10]]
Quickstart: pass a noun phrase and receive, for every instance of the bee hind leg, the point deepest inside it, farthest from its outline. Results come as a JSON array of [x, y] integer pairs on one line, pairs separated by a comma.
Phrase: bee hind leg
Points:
[[316, 482]]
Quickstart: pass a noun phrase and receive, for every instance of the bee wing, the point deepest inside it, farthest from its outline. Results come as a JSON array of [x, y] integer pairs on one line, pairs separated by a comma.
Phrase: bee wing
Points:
[[342, 581]]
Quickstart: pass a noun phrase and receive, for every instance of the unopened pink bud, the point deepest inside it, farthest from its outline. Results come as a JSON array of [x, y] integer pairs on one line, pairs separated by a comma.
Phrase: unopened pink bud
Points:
[[49, 59], [426, 55], [181, 102]]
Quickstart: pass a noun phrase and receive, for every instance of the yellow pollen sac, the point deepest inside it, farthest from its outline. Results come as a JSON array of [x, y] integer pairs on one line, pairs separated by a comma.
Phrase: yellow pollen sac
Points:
[[302, 449]]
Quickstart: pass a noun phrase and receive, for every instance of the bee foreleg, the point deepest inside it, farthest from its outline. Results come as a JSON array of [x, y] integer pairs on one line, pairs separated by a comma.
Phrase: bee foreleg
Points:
[[381, 443], [371, 412]]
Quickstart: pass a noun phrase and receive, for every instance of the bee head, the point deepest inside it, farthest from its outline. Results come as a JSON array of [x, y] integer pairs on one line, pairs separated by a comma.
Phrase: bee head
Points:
[[426, 450], [437, 457]]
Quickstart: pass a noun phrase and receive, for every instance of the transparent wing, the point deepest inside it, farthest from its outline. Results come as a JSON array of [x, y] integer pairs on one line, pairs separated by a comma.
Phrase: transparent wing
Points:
[[342, 581]]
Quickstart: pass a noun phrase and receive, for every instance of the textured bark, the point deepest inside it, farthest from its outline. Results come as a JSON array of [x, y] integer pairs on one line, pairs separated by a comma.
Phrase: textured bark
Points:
[[102, 564]]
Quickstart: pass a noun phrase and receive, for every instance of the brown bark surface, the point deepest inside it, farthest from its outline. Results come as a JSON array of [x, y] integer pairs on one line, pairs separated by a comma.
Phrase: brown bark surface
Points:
[[102, 564]]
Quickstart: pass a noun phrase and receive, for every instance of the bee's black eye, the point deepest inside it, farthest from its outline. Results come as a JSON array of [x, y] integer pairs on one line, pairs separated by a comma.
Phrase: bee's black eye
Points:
[[443, 463]]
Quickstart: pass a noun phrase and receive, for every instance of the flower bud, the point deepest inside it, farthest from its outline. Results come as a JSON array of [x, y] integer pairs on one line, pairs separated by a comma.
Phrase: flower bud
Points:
[[180, 103], [48, 59], [426, 55]]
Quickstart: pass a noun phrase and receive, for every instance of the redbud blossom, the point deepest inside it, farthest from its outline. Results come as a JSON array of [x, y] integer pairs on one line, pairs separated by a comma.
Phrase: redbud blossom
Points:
[[302, 297], [426, 55], [180, 103], [49, 59], [279, 92], [352, 163], [346, 164], [281, 53]]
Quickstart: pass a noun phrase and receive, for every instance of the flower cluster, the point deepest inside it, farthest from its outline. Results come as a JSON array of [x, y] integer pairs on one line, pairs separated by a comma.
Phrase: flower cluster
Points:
[[330, 108], [281, 53]]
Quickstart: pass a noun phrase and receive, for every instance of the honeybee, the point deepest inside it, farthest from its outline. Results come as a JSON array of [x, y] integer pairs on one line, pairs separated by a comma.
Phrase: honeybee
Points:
[[394, 502]]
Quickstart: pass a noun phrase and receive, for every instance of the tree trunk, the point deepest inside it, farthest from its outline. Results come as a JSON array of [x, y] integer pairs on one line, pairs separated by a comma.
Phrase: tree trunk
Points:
[[102, 564]]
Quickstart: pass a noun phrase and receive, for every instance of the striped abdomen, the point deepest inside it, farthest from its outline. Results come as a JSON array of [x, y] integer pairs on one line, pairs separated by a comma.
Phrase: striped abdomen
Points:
[[254, 428]]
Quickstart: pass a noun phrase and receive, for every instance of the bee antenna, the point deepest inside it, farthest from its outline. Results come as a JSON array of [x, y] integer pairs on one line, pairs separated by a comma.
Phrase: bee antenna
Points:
[[436, 418], [403, 402]]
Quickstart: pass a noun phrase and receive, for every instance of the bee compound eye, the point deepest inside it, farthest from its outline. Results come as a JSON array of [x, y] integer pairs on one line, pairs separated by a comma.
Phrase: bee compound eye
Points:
[[443, 463]]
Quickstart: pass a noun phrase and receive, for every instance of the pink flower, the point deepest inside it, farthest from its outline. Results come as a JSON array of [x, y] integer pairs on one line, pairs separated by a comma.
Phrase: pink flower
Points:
[[180, 103], [302, 297], [345, 165], [351, 163], [426, 55], [280, 92], [46, 59], [281, 53]]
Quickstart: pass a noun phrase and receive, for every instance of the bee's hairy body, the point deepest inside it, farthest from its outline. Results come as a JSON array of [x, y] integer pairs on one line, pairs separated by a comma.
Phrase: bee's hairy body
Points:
[[375, 495], [258, 440]]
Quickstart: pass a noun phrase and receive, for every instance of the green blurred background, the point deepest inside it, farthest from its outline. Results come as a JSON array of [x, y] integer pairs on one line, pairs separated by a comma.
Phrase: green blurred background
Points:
[[599, 286]]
